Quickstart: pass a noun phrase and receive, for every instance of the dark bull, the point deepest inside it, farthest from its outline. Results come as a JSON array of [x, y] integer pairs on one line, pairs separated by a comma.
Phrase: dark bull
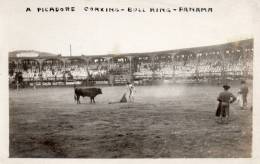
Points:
[[89, 92]]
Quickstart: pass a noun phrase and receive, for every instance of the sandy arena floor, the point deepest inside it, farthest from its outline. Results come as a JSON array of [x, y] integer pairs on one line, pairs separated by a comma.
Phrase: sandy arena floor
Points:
[[164, 121]]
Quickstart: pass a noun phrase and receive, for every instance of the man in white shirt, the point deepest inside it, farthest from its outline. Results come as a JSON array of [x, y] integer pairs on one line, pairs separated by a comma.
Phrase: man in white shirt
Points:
[[131, 90]]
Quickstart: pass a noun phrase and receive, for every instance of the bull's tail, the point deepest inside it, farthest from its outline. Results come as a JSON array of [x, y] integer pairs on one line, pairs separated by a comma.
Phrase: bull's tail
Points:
[[75, 94], [75, 97]]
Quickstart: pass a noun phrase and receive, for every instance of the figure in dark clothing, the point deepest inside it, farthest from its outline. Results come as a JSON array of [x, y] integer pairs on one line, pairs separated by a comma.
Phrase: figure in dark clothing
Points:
[[225, 98], [19, 80], [243, 91]]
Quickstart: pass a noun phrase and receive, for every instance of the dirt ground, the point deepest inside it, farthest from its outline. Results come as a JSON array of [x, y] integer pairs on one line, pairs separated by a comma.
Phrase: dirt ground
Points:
[[176, 121]]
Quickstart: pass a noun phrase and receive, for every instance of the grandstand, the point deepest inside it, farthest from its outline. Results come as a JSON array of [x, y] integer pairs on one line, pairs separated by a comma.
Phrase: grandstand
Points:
[[216, 63]]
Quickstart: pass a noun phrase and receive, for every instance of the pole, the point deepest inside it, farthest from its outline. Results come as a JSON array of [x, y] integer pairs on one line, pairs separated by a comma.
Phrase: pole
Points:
[[70, 49]]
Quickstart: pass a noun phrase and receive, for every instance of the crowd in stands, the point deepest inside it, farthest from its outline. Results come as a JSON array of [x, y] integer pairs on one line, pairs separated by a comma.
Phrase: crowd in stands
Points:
[[119, 66], [144, 70], [75, 69], [182, 65], [205, 64], [185, 65], [209, 64], [166, 69], [163, 66], [98, 71], [143, 67]]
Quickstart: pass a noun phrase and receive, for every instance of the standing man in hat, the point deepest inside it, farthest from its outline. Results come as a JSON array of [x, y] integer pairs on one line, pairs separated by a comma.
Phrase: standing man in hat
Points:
[[225, 98], [243, 91]]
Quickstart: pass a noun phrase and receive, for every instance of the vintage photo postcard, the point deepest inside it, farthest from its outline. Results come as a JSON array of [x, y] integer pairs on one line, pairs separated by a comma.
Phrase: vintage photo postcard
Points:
[[107, 80]]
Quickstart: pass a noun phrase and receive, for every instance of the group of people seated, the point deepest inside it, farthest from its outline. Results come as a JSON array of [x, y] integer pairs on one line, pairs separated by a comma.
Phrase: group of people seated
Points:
[[119, 68], [77, 72], [52, 72], [164, 69], [184, 71], [143, 69], [206, 64], [182, 65]]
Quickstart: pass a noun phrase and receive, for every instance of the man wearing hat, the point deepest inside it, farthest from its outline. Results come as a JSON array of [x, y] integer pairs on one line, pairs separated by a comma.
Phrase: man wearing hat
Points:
[[225, 98]]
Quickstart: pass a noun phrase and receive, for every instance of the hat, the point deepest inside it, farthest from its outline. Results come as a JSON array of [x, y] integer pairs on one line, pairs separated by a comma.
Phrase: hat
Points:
[[226, 86]]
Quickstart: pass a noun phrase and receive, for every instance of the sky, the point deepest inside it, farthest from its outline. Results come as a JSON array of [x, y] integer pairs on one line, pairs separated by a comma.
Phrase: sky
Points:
[[114, 33]]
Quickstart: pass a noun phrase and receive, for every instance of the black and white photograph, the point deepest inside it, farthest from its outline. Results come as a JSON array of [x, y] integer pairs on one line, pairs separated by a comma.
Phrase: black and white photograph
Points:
[[129, 79]]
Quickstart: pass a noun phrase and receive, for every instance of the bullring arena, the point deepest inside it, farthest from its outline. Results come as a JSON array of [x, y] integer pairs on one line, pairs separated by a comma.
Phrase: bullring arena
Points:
[[173, 115]]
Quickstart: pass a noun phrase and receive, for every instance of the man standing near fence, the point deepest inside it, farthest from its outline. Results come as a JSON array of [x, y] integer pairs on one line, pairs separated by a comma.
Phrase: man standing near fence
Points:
[[243, 91]]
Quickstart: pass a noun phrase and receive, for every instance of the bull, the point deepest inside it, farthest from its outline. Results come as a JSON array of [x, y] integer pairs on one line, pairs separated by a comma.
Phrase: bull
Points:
[[89, 92]]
